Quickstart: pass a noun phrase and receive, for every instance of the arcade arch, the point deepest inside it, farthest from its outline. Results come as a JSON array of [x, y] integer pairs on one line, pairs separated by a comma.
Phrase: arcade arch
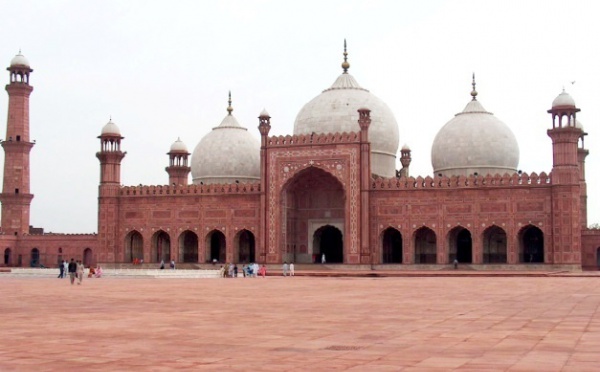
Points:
[[35, 257], [245, 247], [88, 257], [8, 257], [425, 246], [313, 213], [494, 245], [188, 247], [531, 245], [391, 246], [161, 247], [460, 245], [134, 246], [216, 248]]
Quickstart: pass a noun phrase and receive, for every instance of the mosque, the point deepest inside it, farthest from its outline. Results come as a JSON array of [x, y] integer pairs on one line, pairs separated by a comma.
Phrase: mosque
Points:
[[332, 189]]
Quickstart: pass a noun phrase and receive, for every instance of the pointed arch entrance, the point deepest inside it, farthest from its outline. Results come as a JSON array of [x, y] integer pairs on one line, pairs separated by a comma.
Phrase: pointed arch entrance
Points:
[[88, 257], [425, 246], [494, 245], [328, 241], [188, 247], [310, 200], [35, 257], [531, 245], [391, 246], [216, 248], [134, 247], [245, 247], [161, 247], [461, 245], [7, 257]]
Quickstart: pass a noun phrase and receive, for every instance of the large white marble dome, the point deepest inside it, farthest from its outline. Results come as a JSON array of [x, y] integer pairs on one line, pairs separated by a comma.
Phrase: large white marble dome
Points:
[[227, 154], [474, 141], [335, 110]]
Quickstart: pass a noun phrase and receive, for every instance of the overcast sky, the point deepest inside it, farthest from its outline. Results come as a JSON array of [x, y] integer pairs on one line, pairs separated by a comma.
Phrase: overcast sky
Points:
[[162, 70]]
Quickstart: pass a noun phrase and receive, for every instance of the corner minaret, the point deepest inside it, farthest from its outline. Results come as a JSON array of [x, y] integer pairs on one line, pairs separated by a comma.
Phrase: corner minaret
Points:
[[178, 168], [16, 197], [110, 155], [566, 188]]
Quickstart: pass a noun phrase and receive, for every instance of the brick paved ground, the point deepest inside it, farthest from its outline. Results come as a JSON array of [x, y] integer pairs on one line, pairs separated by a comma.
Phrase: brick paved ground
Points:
[[302, 323]]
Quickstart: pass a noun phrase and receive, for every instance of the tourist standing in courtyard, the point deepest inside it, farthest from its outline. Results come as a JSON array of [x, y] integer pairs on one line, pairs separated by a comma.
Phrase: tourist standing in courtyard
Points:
[[80, 270], [291, 269], [72, 270], [323, 258], [172, 264], [162, 264], [61, 266], [285, 268], [66, 268]]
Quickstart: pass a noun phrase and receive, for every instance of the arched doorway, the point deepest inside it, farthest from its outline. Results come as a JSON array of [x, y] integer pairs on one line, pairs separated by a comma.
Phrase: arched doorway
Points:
[[311, 199], [87, 257], [245, 247], [531, 245], [35, 257], [328, 241], [7, 257], [134, 247], [461, 245], [161, 247], [494, 245], [391, 246], [188, 247], [216, 246], [425, 246]]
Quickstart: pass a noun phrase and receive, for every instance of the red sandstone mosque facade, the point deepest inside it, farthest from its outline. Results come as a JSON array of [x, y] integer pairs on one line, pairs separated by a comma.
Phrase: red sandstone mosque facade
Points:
[[331, 188]]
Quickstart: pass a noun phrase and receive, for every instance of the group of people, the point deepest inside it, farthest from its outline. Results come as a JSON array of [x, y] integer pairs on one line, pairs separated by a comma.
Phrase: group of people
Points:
[[171, 265], [76, 269], [248, 271], [288, 270]]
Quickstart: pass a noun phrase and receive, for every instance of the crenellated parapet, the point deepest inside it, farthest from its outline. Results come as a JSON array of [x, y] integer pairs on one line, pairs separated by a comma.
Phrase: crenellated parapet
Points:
[[170, 190], [459, 182], [313, 139]]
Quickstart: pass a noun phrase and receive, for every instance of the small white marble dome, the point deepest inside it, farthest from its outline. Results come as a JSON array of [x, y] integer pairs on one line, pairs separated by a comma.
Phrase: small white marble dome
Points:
[[474, 141], [227, 154], [178, 146], [563, 100], [110, 129], [19, 60], [335, 110]]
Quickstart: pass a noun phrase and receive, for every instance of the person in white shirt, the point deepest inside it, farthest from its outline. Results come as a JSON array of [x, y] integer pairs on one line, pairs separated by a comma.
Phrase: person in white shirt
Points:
[[285, 268], [291, 269]]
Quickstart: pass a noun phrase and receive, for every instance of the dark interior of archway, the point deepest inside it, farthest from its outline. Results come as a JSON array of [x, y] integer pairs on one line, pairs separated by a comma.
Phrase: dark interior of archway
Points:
[[136, 246], [217, 247], [392, 246], [246, 247], [331, 244], [533, 246], [598, 256], [163, 247], [464, 247], [190, 247]]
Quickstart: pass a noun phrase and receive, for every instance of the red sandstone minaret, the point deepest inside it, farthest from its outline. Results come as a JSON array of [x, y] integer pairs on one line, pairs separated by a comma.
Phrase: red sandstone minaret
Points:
[[110, 155], [582, 153], [364, 121], [16, 196], [566, 202], [178, 168]]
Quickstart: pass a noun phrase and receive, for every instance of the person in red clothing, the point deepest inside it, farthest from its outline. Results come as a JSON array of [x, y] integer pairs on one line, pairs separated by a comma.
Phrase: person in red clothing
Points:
[[262, 271]]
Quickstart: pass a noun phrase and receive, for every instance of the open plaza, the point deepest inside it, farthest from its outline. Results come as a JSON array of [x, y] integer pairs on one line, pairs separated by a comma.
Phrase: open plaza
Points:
[[546, 322]]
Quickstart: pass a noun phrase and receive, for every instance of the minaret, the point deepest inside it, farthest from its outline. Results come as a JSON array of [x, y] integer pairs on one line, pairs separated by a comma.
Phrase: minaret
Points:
[[405, 160], [566, 198], [178, 168], [364, 121], [110, 155], [16, 197]]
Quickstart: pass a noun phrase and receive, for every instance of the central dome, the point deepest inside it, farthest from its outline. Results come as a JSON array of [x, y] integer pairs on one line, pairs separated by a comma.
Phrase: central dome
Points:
[[336, 110]]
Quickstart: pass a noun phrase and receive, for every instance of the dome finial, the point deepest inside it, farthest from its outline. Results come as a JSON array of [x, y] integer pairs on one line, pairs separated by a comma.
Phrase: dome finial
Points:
[[229, 108], [345, 64], [474, 92]]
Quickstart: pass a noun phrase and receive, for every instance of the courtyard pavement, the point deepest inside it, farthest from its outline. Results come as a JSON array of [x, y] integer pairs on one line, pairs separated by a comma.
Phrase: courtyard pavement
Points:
[[301, 324]]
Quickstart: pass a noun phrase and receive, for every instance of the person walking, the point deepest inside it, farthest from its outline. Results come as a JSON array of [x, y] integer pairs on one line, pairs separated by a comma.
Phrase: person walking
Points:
[[80, 272], [62, 269], [323, 258], [162, 264], [65, 269], [172, 264], [72, 270], [291, 269]]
